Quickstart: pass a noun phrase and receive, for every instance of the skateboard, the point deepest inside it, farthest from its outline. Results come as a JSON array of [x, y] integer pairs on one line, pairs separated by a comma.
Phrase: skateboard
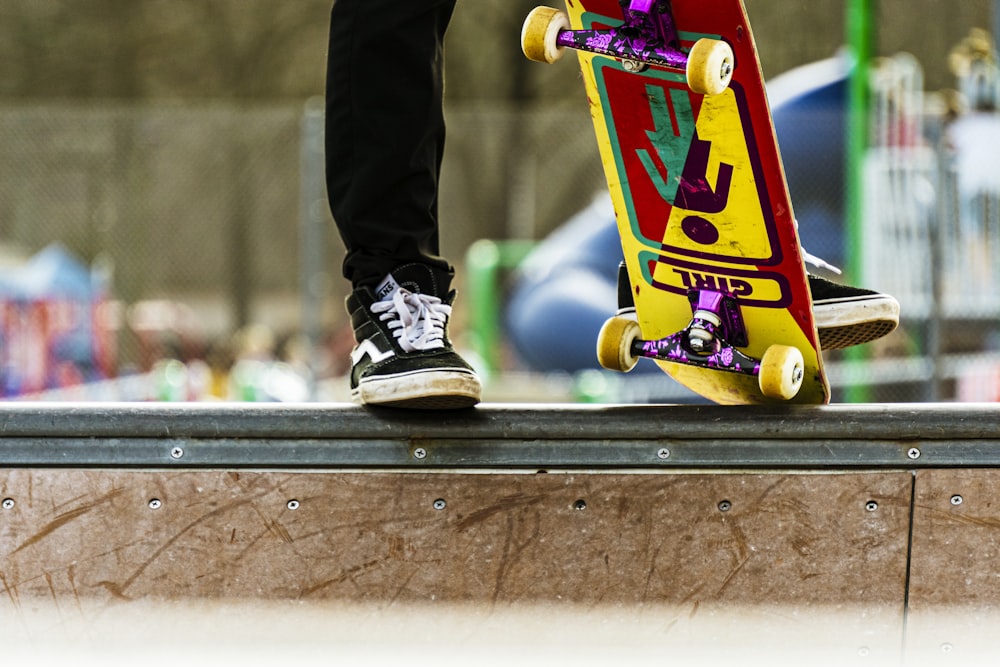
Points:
[[712, 255]]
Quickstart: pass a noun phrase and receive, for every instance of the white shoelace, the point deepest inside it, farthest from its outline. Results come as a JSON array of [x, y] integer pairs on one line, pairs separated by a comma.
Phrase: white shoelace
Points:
[[818, 262], [416, 320]]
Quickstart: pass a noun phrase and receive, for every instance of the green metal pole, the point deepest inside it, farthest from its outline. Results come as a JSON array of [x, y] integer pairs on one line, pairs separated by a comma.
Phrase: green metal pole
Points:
[[860, 37], [482, 263], [485, 260]]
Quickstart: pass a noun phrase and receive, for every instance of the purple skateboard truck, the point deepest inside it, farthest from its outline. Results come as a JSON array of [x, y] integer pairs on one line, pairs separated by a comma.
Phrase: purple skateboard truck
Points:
[[647, 36], [710, 340]]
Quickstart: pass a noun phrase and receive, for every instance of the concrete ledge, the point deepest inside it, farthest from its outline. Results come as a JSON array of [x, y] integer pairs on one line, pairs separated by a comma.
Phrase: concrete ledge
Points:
[[683, 522]]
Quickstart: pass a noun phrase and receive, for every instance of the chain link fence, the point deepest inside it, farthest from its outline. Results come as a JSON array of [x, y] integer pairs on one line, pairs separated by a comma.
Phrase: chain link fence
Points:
[[209, 226], [932, 235], [189, 213], [199, 202]]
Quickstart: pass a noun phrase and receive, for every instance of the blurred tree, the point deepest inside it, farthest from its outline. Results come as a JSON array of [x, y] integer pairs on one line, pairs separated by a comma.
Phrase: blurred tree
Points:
[[162, 48], [267, 49]]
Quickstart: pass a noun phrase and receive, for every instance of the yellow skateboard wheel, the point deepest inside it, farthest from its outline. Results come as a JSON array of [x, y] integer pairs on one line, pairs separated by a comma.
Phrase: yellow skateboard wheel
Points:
[[614, 344], [781, 372], [710, 66], [539, 33]]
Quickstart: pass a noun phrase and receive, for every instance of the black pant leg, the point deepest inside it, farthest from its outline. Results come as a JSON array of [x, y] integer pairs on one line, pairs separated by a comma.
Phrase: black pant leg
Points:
[[385, 132]]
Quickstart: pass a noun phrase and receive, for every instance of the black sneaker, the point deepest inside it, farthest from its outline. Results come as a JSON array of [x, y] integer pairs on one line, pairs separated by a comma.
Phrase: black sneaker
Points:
[[626, 302], [847, 316], [403, 357]]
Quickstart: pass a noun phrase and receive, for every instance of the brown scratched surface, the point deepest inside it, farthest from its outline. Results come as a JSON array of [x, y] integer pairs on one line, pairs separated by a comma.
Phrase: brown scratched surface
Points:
[[619, 539]]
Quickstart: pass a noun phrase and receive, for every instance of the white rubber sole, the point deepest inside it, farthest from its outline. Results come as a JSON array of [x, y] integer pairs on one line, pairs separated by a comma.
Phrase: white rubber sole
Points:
[[438, 389], [854, 322]]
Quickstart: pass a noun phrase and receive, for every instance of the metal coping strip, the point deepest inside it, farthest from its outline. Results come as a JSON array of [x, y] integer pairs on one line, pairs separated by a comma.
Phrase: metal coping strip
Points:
[[528, 437], [489, 453]]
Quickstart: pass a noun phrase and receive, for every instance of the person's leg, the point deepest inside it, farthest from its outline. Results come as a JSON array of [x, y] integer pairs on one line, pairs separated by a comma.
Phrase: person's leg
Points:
[[385, 133], [384, 145]]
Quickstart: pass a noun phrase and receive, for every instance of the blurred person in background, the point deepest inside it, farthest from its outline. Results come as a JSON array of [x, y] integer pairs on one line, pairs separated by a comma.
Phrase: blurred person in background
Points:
[[974, 135]]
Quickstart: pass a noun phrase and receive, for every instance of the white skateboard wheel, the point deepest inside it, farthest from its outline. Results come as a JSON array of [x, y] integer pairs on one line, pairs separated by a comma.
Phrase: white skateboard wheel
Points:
[[710, 66], [782, 369], [539, 33], [614, 344]]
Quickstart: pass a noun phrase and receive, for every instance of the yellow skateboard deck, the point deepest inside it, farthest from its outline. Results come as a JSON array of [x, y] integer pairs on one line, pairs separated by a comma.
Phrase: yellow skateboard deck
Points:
[[706, 224]]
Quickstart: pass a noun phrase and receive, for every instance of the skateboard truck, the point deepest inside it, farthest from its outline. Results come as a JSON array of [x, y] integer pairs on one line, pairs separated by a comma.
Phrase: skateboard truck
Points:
[[714, 313], [710, 340], [647, 36]]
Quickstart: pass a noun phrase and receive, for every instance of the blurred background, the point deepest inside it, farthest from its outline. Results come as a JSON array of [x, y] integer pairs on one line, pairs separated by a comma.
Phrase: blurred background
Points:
[[164, 232]]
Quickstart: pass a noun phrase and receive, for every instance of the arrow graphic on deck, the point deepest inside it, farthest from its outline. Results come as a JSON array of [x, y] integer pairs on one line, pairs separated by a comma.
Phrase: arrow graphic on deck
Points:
[[683, 154]]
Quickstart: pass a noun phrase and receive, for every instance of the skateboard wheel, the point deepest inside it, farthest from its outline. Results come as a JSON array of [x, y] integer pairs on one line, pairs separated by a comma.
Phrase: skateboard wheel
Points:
[[614, 344], [539, 33], [710, 66], [781, 372]]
